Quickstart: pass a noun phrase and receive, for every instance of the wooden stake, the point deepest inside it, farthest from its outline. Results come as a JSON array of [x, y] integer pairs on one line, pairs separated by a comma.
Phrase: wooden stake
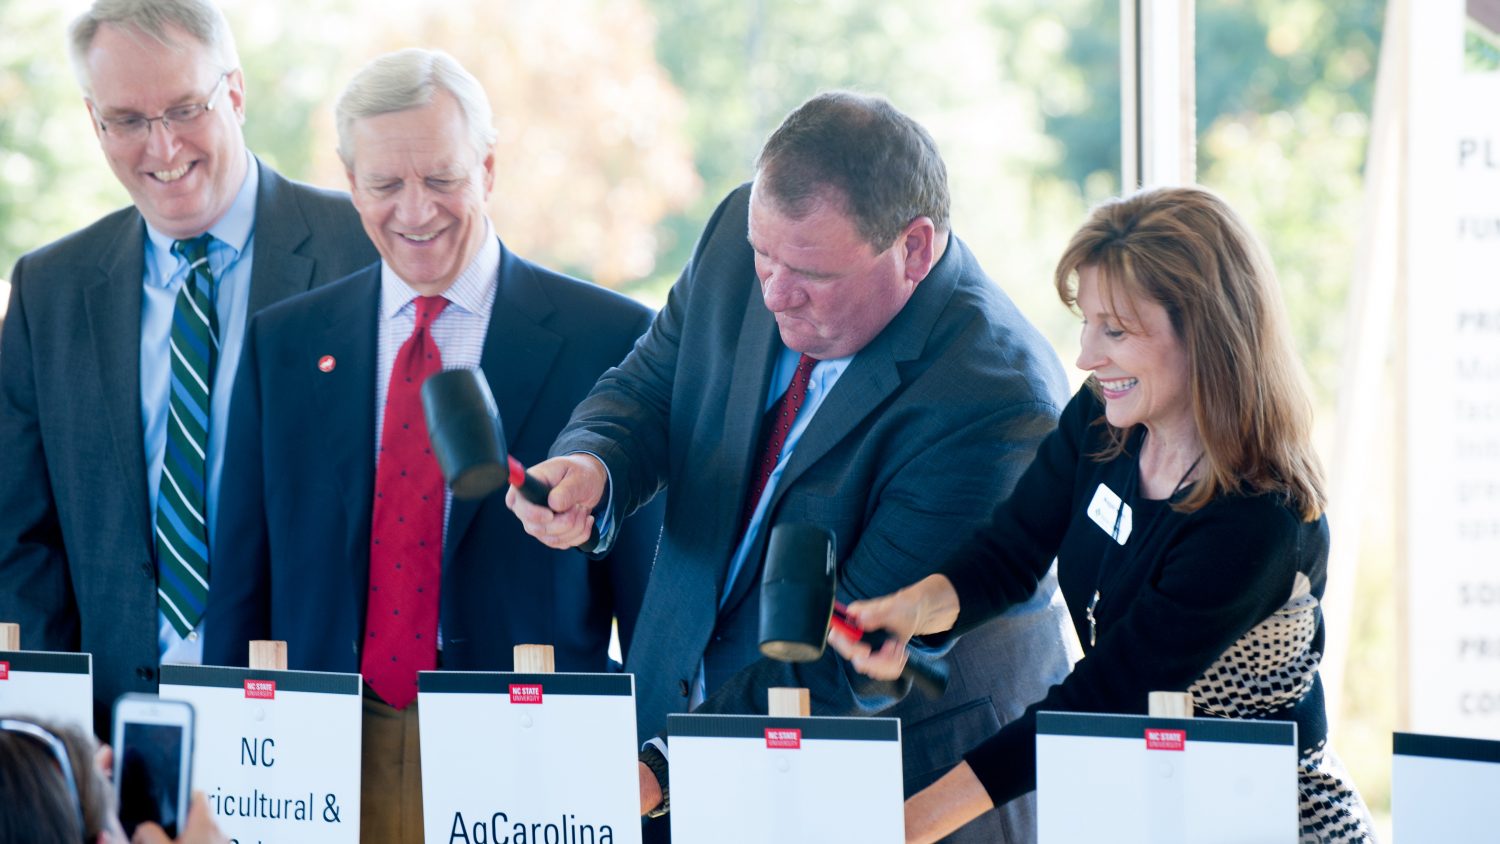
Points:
[[267, 655], [533, 659], [10, 637], [1170, 705], [789, 703]]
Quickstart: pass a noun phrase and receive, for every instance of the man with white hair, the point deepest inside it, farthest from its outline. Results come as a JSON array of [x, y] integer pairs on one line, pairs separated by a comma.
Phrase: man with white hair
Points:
[[121, 341], [338, 533]]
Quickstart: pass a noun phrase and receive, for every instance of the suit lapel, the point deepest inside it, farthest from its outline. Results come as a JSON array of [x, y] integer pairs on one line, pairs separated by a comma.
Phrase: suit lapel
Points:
[[277, 271], [518, 355], [113, 304], [755, 359], [871, 379], [345, 404], [874, 374]]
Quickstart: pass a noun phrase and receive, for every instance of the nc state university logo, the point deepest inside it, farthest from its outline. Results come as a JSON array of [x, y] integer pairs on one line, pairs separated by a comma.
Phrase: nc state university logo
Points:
[[525, 693], [1166, 739], [260, 689], [783, 738]]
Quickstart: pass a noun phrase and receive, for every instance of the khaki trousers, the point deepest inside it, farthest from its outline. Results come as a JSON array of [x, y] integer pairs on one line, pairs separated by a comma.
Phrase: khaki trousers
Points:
[[390, 793]]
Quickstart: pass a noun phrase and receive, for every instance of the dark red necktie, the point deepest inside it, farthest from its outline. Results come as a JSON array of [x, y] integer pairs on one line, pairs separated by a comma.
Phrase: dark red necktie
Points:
[[406, 530], [777, 424]]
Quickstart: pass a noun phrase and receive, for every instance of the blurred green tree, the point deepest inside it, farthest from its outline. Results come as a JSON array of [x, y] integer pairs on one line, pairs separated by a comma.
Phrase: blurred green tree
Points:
[[52, 176], [593, 147]]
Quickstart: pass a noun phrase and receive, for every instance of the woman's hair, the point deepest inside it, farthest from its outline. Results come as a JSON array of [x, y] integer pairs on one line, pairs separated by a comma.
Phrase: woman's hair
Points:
[[1185, 249], [39, 803]]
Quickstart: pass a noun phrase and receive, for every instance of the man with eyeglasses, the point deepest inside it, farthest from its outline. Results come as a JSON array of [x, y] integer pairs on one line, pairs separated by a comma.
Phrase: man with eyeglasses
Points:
[[121, 343]]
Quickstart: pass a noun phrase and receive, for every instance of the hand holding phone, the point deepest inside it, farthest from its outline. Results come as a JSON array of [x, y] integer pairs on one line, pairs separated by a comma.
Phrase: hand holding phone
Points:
[[153, 748], [200, 828]]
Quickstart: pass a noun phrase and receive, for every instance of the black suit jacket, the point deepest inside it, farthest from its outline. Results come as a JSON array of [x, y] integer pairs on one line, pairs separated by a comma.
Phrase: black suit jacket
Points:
[[77, 566], [929, 426], [294, 529]]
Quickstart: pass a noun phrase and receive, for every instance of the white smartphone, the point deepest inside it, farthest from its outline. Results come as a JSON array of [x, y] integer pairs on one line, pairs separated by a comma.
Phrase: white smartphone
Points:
[[153, 742]]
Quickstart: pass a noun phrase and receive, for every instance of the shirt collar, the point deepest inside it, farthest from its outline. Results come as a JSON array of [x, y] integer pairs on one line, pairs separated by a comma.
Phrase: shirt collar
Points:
[[468, 291], [828, 371], [824, 375], [233, 229]]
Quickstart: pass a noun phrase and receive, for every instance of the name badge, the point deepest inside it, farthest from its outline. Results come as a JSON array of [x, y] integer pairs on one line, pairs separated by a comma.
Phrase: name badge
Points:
[[1110, 513]]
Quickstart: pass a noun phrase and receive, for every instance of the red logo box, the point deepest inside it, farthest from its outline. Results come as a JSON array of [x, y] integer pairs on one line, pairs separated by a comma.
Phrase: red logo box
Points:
[[525, 693], [260, 689], [1166, 739], [4, 671], [783, 738]]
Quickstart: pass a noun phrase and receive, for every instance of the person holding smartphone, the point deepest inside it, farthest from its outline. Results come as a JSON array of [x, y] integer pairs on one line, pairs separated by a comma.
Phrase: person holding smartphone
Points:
[[57, 773], [1181, 498]]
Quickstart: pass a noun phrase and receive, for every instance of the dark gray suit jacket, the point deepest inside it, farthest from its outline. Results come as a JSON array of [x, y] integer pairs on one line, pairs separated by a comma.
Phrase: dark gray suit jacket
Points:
[[930, 425], [77, 569]]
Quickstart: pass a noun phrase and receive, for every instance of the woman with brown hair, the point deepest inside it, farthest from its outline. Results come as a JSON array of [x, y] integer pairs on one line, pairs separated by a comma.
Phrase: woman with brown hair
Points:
[[52, 792], [1181, 498]]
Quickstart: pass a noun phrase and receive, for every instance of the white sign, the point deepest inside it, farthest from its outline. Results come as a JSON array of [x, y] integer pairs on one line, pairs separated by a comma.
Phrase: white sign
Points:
[[277, 753], [57, 687], [1443, 789], [1453, 381], [1129, 779], [528, 758], [759, 778]]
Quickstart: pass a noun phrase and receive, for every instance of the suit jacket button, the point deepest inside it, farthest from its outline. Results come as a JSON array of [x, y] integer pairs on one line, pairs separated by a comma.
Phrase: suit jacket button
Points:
[[145, 672], [682, 686]]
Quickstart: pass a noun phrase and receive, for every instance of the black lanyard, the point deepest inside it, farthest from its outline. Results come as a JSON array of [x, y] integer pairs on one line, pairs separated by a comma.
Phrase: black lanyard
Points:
[[1126, 495]]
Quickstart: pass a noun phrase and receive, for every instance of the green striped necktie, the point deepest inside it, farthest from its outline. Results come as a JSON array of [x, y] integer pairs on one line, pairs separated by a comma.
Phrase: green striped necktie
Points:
[[181, 511]]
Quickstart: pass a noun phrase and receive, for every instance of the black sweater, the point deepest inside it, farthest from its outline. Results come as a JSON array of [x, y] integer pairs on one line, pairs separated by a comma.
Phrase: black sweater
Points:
[[1181, 591]]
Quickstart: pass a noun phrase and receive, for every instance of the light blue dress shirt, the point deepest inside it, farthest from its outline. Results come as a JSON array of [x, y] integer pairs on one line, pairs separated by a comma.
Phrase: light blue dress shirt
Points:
[[824, 375], [229, 259]]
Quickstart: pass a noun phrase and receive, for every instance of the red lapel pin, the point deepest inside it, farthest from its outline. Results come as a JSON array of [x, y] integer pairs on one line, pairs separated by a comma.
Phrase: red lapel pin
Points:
[[326, 363]]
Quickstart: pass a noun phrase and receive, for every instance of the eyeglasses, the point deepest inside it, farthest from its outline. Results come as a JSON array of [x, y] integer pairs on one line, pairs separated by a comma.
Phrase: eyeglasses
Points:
[[136, 127], [59, 752]]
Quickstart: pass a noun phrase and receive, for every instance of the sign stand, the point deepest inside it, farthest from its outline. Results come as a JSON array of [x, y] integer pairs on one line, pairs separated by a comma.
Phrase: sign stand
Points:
[[267, 655], [784, 702], [40, 684], [1170, 705], [738, 779], [277, 752], [1443, 788], [1166, 778], [533, 659], [529, 755]]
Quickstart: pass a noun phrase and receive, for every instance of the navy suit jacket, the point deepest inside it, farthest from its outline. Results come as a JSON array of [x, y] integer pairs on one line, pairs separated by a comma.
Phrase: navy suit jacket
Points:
[[294, 523], [77, 560]]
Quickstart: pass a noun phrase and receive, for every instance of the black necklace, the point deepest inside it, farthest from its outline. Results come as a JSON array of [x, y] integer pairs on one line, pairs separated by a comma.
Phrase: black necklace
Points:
[[1131, 482]]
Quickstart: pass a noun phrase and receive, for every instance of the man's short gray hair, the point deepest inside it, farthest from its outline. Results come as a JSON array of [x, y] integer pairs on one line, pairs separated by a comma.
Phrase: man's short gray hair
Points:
[[199, 18], [409, 79]]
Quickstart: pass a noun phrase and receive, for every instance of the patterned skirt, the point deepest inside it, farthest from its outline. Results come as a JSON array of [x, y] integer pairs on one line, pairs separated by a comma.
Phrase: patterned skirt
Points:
[[1270, 668], [1332, 811]]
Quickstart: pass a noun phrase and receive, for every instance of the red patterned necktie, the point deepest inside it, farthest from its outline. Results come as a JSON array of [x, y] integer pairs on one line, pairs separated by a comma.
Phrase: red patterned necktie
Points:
[[778, 423], [406, 530]]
